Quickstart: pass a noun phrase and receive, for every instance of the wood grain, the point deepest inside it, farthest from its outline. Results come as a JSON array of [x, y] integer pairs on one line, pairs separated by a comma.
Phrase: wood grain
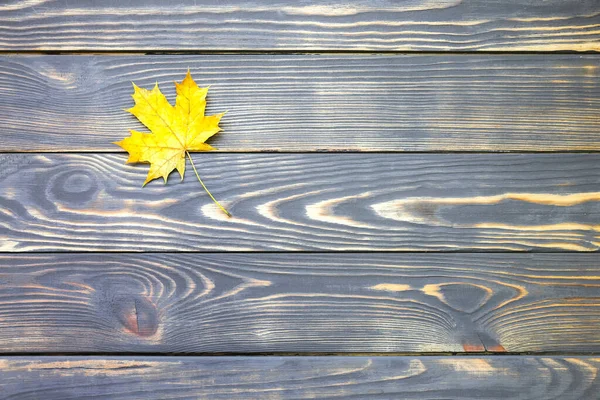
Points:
[[316, 102], [414, 25], [63, 378], [257, 303], [297, 202]]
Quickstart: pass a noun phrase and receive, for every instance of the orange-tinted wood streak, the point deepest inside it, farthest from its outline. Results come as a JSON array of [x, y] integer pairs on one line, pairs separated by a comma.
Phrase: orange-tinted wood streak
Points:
[[410, 25], [473, 348], [126, 378], [298, 202], [314, 102], [247, 303]]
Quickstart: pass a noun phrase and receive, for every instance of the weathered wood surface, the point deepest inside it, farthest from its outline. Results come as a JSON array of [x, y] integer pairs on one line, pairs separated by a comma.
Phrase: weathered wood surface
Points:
[[257, 303], [295, 202], [62, 378], [307, 103], [441, 25]]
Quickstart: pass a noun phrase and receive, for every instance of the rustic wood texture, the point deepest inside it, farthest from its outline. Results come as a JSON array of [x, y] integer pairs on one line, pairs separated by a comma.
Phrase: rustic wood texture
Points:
[[430, 25], [62, 378], [249, 303], [296, 202], [347, 254], [317, 102]]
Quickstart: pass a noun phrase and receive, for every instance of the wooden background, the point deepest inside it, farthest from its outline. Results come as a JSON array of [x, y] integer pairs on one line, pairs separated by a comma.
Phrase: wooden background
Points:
[[384, 245]]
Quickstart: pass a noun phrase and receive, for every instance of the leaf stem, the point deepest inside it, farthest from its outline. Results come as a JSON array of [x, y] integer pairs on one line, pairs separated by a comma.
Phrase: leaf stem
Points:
[[204, 186]]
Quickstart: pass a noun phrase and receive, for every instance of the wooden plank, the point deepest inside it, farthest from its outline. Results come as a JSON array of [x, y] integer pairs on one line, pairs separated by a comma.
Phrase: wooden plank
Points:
[[461, 378], [263, 303], [443, 25], [297, 202], [316, 102]]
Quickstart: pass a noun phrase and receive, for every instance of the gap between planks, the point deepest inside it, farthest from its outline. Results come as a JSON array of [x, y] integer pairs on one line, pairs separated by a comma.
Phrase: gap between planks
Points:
[[305, 354]]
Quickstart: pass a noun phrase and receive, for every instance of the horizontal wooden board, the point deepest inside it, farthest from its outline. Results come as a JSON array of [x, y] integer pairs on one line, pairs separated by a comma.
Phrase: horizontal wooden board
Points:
[[297, 202], [441, 25], [264, 303], [316, 102], [500, 378]]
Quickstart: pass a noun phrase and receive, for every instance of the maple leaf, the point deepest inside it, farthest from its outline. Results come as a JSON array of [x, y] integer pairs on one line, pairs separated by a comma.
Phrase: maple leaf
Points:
[[176, 130]]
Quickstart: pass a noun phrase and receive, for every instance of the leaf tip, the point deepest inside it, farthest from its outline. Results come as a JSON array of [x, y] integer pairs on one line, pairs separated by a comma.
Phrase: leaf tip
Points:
[[149, 178]]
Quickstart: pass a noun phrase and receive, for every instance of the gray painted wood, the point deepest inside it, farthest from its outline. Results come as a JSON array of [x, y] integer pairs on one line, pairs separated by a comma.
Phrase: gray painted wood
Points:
[[440, 25], [63, 378], [293, 302], [296, 202], [299, 303], [314, 102]]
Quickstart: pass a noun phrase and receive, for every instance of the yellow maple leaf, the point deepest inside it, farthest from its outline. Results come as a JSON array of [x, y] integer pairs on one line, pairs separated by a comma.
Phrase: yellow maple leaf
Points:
[[176, 130]]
